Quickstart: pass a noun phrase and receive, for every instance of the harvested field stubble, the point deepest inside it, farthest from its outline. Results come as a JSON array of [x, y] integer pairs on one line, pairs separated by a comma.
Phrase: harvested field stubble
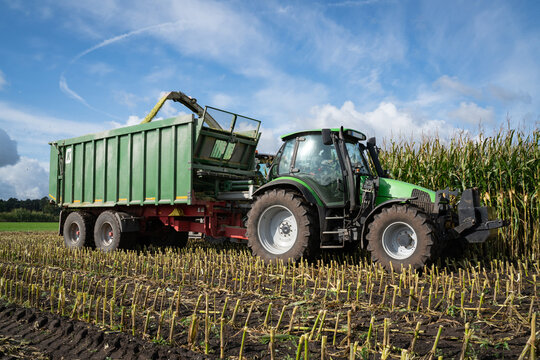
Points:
[[223, 302]]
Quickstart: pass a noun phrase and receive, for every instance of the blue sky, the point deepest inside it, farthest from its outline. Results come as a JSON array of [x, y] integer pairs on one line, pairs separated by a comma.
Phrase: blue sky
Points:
[[390, 68]]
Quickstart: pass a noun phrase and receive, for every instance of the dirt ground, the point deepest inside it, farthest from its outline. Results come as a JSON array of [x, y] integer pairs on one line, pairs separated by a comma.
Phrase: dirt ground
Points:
[[168, 305]]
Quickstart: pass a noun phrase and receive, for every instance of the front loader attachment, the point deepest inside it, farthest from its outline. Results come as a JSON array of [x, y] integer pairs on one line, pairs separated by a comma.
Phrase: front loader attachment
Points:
[[476, 223]]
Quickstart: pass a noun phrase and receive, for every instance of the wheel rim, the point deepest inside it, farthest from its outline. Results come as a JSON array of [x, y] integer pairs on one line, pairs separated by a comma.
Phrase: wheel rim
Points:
[[74, 233], [399, 240], [277, 229], [106, 234]]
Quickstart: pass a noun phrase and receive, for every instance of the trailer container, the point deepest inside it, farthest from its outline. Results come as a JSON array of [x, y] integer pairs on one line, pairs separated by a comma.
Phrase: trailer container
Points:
[[182, 171]]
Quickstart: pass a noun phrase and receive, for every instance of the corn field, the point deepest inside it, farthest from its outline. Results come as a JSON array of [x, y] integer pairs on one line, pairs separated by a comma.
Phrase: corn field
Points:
[[505, 167]]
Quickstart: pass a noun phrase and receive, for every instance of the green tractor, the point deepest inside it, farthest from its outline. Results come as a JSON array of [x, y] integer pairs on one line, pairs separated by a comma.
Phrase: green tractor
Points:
[[326, 189]]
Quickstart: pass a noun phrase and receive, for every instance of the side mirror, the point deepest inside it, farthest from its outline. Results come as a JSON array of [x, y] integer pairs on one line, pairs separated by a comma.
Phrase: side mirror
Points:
[[373, 144], [327, 137]]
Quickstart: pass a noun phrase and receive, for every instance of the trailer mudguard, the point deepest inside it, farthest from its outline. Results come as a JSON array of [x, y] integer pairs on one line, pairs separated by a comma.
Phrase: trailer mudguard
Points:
[[128, 223], [61, 220]]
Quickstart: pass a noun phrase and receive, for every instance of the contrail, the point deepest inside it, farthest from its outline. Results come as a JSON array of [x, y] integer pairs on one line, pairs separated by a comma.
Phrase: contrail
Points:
[[66, 90], [63, 83], [122, 37]]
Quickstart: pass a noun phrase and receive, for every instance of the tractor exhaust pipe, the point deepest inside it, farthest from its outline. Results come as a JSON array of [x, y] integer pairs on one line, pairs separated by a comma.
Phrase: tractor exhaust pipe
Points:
[[374, 153]]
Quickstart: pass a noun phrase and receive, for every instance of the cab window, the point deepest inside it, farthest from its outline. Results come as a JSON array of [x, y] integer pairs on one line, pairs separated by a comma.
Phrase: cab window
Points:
[[318, 163], [286, 158], [357, 158]]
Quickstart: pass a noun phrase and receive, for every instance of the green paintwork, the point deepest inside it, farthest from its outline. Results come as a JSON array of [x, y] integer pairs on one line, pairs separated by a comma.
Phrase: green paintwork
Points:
[[392, 189], [146, 164], [319, 202], [388, 189], [299, 133]]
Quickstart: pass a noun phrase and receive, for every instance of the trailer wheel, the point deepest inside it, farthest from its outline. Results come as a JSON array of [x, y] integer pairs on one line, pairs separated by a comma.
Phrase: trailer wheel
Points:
[[107, 234], [401, 235], [280, 226], [78, 230]]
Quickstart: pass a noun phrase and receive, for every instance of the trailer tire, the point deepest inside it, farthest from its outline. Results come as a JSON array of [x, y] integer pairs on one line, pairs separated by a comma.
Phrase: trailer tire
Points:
[[107, 232], [401, 235], [280, 227], [78, 230]]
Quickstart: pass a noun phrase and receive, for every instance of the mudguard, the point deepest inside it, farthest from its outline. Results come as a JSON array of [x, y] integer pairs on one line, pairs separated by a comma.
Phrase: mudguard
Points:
[[367, 220], [308, 193]]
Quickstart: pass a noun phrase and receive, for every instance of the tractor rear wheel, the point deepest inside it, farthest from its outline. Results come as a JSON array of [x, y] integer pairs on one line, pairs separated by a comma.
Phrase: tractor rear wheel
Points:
[[401, 235], [280, 226], [78, 230]]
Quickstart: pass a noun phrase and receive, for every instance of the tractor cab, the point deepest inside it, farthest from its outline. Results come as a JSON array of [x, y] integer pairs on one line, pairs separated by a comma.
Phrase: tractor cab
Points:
[[322, 162]]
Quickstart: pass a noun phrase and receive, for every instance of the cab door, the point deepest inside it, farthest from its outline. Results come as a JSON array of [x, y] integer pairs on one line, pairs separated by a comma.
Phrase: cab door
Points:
[[318, 166]]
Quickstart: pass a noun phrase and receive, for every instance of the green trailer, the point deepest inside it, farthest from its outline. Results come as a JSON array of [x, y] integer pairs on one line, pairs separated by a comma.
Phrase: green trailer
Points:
[[188, 173], [324, 189]]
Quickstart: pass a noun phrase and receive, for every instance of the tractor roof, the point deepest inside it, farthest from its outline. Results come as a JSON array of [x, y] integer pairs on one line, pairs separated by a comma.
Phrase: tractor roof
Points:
[[351, 132]]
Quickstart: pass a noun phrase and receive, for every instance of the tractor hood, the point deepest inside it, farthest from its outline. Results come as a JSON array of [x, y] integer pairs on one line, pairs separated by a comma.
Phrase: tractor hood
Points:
[[391, 189]]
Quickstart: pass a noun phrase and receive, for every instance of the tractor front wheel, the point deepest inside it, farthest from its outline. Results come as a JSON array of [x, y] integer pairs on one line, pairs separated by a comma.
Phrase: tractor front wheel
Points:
[[401, 235], [280, 226]]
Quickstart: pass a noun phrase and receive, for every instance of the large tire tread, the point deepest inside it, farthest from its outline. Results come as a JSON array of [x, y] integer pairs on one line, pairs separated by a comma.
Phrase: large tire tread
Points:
[[306, 245], [108, 216], [427, 245], [85, 221]]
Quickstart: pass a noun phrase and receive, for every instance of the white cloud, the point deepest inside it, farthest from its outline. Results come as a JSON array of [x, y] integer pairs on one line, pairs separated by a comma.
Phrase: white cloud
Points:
[[386, 121], [507, 95], [160, 74], [171, 109], [167, 111], [349, 3], [132, 120], [100, 69], [472, 113], [286, 98], [443, 91], [33, 131], [25, 180], [452, 84], [42, 126], [329, 44], [126, 98], [204, 29], [221, 100], [3, 81], [8, 150]]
